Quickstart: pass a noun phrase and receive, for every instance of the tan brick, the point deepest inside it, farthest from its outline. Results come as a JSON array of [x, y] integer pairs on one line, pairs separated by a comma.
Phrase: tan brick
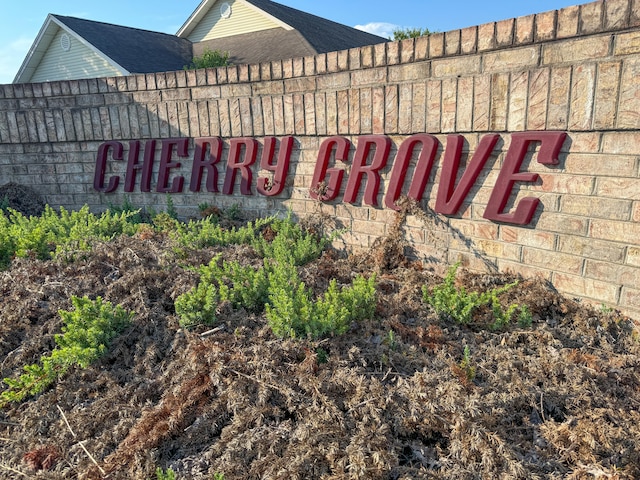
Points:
[[556, 261], [600, 164], [289, 115], [452, 42], [275, 87], [618, 187], [419, 109], [594, 207], [469, 40], [635, 13], [334, 81], [636, 212], [299, 84], [524, 29], [464, 105], [449, 102], [591, 17], [332, 113], [507, 251], [320, 111], [366, 111], [235, 116], [278, 116], [366, 53], [343, 61], [436, 45], [421, 48], [407, 50], [590, 248], [538, 97], [625, 143], [527, 237], [267, 115], [576, 50], [627, 43], [511, 59], [616, 14], [486, 37], [499, 102], [560, 223], [629, 106], [393, 53], [630, 301], [582, 97], [567, 184], [378, 104], [434, 104], [527, 271], [368, 227], [633, 256], [545, 26], [606, 95], [481, 102], [616, 274], [354, 112], [407, 72], [504, 32], [586, 288], [343, 112], [558, 112], [518, 101], [627, 232], [453, 67]]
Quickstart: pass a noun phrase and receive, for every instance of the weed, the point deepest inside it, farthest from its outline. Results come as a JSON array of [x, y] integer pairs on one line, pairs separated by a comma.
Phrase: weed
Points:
[[322, 355], [465, 370], [218, 476], [457, 303], [390, 340], [169, 474], [171, 208], [87, 332]]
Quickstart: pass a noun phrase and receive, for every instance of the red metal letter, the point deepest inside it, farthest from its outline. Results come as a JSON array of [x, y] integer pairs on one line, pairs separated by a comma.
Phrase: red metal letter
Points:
[[133, 166], [332, 188], [280, 170], [182, 146], [450, 197], [551, 143], [382, 144], [421, 173], [234, 163], [101, 166], [199, 163]]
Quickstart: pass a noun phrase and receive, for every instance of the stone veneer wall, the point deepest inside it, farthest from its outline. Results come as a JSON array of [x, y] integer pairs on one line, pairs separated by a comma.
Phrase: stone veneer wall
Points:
[[575, 70]]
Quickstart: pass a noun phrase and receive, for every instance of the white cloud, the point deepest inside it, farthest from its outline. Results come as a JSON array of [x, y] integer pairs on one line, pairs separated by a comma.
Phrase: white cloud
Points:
[[379, 28], [11, 57]]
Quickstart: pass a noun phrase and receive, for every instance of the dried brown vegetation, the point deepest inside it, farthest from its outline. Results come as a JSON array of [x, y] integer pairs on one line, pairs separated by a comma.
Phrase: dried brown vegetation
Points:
[[391, 399]]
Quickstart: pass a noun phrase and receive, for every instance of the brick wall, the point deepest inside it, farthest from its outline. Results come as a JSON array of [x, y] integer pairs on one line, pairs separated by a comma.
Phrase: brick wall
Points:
[[574, 70]]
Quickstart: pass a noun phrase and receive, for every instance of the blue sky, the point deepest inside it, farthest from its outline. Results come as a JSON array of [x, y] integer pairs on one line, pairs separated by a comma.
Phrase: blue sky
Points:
[[21, 20]]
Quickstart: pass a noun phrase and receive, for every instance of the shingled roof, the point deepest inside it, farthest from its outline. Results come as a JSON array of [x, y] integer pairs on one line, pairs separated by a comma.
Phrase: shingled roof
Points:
[[136, 50], [322, 34]]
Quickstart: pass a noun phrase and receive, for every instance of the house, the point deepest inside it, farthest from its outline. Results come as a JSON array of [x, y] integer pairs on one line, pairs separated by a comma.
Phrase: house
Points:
[[252, 31]]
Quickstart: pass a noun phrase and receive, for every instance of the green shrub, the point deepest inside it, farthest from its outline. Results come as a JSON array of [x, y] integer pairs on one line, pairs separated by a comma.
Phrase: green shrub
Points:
[[291, 311], [198, 306], [169, 474], [209, 59], [457, 303], [86, 334]]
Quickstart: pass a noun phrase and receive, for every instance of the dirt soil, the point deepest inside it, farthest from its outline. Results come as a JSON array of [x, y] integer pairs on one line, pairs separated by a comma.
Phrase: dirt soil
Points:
[[391, 399]]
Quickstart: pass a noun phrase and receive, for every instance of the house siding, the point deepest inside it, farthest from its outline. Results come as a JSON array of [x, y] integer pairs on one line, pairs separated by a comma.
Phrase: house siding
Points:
[[77, 63], [244, 19]]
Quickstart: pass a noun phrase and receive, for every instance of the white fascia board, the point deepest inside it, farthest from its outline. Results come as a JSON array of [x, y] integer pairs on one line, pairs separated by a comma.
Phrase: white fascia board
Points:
[[35, 48], [200, 11]]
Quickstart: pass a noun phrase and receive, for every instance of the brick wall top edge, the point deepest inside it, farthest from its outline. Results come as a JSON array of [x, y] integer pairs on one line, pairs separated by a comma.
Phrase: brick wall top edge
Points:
[[600, 16]]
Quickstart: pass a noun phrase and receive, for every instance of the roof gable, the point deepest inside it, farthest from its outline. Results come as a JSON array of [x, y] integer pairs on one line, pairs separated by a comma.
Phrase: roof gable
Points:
[[123, 50], [321, 34]]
